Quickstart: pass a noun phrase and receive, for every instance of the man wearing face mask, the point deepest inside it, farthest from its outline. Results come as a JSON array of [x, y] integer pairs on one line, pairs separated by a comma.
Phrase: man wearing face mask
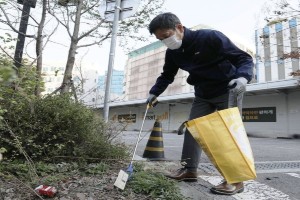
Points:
[[219, 72]]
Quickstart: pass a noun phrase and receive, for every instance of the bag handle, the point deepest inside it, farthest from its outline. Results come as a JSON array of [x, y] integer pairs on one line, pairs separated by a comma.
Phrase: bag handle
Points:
[[181, 127]]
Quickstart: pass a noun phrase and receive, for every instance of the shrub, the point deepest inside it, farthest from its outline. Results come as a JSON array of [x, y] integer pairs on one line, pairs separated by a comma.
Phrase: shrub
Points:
[[43, 128], [54, 126], [7, 74]]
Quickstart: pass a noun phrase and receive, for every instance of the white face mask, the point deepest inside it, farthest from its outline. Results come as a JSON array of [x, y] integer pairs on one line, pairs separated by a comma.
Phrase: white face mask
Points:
[[172, 42]]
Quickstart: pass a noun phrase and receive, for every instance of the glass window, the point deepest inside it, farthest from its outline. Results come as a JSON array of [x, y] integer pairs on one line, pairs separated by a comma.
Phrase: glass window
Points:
[[266, 30], [280, 61], [278, 27], [293, 23]]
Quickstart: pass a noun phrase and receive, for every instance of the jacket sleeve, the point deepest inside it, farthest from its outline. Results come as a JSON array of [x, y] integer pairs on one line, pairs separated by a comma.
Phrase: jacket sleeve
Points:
[[239, 58], [170, 70]]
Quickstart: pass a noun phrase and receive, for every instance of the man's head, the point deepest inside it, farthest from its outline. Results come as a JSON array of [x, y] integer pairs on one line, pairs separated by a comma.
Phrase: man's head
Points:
[[167, 28]]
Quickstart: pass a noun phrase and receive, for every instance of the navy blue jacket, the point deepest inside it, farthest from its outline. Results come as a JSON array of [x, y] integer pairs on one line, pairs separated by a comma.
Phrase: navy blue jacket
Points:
[[211, 59]]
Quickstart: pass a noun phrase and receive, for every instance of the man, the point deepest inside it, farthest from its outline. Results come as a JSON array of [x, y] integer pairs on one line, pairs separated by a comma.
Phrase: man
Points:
[[217, 70]]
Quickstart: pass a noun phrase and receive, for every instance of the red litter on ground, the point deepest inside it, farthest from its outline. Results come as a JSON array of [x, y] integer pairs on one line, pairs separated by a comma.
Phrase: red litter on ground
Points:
[[45, 190]]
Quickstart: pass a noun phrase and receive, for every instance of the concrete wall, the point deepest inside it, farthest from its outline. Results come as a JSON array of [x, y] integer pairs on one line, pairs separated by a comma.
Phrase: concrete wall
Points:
[[161, 111], [287, 114], [173, 114]]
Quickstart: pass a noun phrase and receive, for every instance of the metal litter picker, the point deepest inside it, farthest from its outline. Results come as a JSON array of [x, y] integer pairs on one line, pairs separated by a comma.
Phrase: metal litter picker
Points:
[[124, 176]]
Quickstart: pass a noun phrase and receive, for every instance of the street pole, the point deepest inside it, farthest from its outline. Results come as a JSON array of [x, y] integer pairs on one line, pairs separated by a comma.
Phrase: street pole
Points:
[[111, 59], [22, 32]]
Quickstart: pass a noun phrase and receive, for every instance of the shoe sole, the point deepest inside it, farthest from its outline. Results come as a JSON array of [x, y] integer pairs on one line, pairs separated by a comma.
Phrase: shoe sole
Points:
[[227, 193], [184, 179]]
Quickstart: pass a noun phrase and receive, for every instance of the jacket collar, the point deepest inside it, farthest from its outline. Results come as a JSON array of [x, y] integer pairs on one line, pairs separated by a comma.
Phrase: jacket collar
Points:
[[187, 38]]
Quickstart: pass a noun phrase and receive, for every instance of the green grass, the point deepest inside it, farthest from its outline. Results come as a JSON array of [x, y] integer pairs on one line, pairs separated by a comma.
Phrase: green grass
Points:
[[155, 185]]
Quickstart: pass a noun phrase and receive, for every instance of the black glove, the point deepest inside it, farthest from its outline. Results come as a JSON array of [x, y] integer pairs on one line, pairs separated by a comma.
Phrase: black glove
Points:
[[152, 100]]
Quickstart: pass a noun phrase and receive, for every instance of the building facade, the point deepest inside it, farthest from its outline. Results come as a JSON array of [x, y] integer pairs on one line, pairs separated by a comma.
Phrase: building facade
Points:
[[277, 50], [143, 67], [117, 81]]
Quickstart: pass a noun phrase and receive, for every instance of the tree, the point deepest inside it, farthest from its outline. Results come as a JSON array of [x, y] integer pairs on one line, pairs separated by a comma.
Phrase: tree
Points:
[[11, 18], [85, 27], [83, 24], [276, 11], [39, 47]]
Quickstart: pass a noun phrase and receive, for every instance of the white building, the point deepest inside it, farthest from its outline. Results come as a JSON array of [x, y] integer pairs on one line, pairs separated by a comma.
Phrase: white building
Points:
[[277, 50], [88, 88], [92, 91], [53, 78]]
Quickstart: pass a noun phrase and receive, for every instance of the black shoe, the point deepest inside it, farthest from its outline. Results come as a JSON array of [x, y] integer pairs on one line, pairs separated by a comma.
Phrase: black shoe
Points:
[[183, 174], [228, 189]]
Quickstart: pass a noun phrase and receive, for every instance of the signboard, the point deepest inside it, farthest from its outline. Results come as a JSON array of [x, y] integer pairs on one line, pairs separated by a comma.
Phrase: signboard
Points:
[[160, 116], [30, 3], [259, 114], [128, 8], [128, 118]]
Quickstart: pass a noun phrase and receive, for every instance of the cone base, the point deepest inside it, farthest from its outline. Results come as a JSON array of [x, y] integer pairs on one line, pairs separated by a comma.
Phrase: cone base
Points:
[[156, 159]]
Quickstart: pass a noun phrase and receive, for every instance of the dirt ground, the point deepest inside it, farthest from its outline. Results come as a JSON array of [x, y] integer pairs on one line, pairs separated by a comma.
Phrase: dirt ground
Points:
[[77, 187]]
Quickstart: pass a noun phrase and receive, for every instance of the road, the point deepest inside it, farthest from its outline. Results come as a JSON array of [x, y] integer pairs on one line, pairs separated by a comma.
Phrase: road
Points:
[[277, 163]]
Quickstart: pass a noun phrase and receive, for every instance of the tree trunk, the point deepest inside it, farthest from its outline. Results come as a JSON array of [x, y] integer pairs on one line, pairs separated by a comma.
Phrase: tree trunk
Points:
[[39, 51], [72, 51]]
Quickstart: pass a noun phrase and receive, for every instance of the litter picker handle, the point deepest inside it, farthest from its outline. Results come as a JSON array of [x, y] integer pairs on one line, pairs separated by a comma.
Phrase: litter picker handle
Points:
[[154, 103], [139, 136]]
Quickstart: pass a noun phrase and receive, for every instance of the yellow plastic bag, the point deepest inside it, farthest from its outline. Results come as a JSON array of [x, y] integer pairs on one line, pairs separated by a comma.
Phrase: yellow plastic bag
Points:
[[223, 138]]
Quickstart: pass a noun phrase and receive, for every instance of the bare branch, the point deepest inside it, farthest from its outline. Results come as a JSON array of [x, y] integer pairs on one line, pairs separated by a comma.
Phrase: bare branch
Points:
[[48, 39], [91, 30], [58, 43], [63, 24], [68, 19], [32, 40], [88, 45], [34, 59], [95, 43], [81, 79], [11, 26], [91, 7]]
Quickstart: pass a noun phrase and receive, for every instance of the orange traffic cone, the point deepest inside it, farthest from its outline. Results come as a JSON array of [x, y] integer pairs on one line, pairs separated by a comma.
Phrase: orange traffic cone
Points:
[[155, 146]]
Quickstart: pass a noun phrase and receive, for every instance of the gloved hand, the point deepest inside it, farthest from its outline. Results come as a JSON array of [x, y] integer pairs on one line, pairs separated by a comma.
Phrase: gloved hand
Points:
[[152, 100], [238, 85]]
